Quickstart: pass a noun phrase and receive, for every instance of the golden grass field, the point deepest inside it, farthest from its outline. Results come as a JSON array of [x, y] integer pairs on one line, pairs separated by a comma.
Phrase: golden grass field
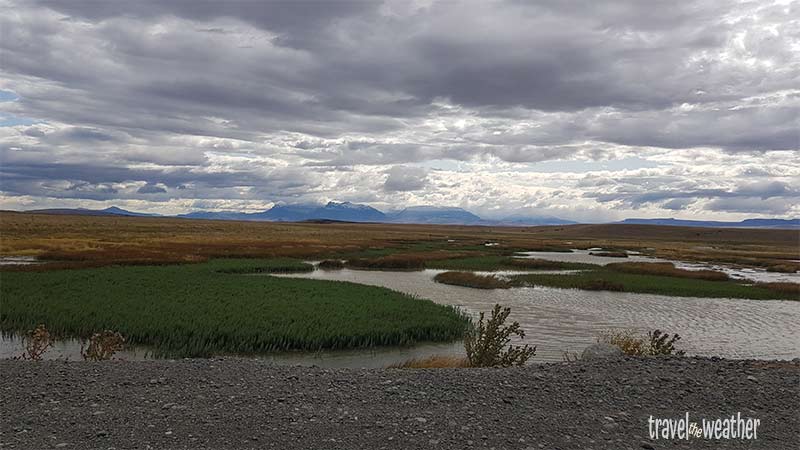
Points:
[[76, 240]]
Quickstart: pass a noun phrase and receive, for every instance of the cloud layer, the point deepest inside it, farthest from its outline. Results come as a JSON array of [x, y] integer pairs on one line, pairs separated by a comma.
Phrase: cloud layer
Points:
[[587, 110]]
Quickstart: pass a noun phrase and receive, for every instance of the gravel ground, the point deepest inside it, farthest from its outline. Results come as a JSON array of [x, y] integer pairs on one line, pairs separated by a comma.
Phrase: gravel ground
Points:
[[247, 404]]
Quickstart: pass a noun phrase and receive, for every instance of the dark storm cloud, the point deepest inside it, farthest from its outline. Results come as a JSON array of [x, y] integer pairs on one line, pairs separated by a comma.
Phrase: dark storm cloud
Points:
[[252, 99]]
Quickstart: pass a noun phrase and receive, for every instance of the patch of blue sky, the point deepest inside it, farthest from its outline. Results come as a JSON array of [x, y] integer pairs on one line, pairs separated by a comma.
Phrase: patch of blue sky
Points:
[[8, 96]]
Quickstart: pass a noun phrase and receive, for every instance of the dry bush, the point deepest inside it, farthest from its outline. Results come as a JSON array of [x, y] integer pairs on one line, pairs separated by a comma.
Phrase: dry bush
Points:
[[432, 362], [662, 344], [667, 269], [602, 285], [102, 346], [633, 344], [570, 356], [36, 342], [472, 280], [487, 344], [629, 341]]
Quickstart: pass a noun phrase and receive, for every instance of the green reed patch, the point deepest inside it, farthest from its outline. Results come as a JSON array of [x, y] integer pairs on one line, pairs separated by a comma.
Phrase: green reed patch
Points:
[[609, 279], [199, 310]]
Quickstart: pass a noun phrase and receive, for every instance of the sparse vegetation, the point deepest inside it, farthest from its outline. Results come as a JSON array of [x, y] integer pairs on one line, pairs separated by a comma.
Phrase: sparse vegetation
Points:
[[472, 280], [102, 346], [487, 345], [632, 343], [662, 344], [433, 362], [36, 343], [195, 310]]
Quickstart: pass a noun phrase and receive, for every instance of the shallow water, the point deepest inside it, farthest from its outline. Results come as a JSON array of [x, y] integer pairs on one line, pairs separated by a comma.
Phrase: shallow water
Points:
[[555, 320], [558, 320], [739, 273]]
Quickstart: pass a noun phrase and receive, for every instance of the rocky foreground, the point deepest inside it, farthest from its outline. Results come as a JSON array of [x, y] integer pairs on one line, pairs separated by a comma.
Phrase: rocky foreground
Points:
[[247, 404]]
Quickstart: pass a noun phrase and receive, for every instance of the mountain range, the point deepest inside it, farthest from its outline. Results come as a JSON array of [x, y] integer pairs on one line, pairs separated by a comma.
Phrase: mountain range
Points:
[[353, 212]]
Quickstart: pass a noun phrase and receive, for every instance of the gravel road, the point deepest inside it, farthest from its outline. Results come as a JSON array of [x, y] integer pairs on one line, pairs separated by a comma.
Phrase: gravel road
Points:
[[248, 404]]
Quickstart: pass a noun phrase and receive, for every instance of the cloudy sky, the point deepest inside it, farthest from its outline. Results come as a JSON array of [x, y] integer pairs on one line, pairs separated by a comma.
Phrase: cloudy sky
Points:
[[585, 110]]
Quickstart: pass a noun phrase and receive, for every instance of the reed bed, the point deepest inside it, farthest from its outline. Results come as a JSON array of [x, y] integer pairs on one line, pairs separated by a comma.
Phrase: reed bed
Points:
[[472, 280], [203, 309], [667, 269]]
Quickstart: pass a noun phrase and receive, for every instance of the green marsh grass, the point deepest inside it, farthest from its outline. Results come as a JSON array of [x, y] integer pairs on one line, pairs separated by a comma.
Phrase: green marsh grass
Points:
[[200, 310]]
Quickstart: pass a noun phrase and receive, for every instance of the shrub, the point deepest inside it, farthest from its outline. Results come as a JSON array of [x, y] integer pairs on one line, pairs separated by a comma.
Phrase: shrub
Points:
[[662, 344], [331, 264], [486, 344], [627, 340], [36, 342], [633, 344], [102, 346], [472, 280]]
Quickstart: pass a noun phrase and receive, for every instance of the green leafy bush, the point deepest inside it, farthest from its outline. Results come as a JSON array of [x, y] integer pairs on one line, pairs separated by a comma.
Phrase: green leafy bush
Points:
[[487, 345]]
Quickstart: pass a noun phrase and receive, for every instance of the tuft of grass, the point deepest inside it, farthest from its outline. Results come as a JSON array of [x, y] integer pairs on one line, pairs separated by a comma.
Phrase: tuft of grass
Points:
[[203, 309], [472, 280], [432, 362], [667, 269]]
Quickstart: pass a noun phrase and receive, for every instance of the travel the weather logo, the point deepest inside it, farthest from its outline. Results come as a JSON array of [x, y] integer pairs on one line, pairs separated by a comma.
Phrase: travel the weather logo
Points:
[[733, 427]]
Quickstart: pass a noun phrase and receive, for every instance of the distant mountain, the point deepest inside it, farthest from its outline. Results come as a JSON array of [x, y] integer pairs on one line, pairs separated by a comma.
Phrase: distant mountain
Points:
[[112, 211], [435, 215], [748, 223], [522, 220], [335, 211], [344, 211]]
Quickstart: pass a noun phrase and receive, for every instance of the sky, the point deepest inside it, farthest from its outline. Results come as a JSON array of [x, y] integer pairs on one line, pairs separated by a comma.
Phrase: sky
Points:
[[590, 111]]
